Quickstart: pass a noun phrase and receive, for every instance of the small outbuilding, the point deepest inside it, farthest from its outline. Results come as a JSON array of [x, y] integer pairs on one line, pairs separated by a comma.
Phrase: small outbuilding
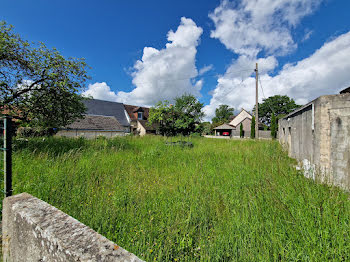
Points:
[[244, 118], [224, 130], [93, 126]]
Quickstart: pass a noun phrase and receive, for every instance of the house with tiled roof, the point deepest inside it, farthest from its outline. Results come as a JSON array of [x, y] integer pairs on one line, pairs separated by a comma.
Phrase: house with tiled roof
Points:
[[138, 119], [244, 118], [233, 127], [102, 118]]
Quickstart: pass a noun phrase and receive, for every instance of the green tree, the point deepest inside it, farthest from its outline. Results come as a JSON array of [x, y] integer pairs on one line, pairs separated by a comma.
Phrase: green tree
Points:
[[252, 128], [222, 115], [273, 127], [279, 105], [207, 129], [38, 84], [182, 118], [241, 131], [188, 114], [164, 115]]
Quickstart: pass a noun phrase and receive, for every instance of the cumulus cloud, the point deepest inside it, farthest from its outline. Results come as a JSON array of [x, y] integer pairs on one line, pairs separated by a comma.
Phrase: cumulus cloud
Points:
[[251, 26], [161, 74], [101, 91], [324, 72]]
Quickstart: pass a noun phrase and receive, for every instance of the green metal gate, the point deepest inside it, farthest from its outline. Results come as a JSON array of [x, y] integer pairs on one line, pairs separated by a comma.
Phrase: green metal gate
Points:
[[6, 149]]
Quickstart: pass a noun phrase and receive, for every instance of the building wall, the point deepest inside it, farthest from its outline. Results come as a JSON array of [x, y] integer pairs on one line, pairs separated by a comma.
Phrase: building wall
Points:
[[89, 134], [141, 130], [240, 117], [246, 124], [318, 136]]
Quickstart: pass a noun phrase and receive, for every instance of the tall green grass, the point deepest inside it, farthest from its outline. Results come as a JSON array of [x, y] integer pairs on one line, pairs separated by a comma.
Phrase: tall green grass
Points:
[[221, 200]]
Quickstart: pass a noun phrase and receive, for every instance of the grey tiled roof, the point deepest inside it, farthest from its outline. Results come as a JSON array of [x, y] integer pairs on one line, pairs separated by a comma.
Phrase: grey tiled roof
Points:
[[107, 108], [91, 122], [145, 125], [225, 126]]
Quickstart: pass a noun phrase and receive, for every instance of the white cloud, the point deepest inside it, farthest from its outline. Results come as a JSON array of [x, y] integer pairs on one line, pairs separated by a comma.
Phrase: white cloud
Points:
[[251, 26], [205, 69], [169, 72], [307, 35], [161, 74], [101, 91], [326, 71]]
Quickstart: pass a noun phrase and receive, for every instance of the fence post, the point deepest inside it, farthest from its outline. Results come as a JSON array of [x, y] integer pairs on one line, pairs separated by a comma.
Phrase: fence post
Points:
[[7, 156]]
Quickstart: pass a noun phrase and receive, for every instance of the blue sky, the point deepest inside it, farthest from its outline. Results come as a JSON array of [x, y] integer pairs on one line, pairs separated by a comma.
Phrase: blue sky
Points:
[[112, 35]]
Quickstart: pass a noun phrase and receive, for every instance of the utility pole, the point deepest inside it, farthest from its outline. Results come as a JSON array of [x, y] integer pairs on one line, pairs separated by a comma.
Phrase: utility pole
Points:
[[256, 103]]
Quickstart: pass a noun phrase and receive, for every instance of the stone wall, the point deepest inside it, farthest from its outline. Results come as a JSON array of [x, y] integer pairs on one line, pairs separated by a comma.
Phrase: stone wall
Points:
[[262, 134], [90, 134], [318, 136], [36, 231]]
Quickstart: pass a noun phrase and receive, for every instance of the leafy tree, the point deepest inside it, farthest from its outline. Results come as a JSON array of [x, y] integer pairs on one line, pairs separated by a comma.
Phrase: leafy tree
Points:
[[279, 105], [207, 129], [273, 127], [38, 84], [241, 131], [188, 114], [182, 118], [252, 128], [164, 115], [222, 115]]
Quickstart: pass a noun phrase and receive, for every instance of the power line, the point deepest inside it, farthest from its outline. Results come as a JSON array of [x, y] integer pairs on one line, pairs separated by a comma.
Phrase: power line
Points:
[[273, 111]]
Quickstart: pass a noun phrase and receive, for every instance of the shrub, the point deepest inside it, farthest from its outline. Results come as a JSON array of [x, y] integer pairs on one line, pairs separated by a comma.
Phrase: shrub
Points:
[[252, 128], [241, 131], [34, 132]]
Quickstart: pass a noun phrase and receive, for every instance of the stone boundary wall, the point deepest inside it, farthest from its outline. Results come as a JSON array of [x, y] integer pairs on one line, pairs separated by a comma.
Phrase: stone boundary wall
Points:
[[235, 134], [36, 231], [89, 134]]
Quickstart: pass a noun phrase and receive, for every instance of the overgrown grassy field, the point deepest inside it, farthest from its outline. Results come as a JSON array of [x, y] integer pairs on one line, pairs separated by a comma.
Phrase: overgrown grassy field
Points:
[[221, 200]]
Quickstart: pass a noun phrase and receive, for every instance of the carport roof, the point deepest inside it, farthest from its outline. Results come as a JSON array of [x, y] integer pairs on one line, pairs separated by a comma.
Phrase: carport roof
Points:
[[224, 126]]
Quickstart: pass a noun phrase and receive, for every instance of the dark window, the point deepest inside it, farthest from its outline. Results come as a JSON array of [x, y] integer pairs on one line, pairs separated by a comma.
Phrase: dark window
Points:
[[139, 115]]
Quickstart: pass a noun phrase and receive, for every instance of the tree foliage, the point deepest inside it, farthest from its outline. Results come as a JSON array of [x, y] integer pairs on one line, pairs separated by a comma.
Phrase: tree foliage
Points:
[[207, 128], [222, 115], [38, 84], [252, 128], [241, 131], [182, 118], [279, 105]]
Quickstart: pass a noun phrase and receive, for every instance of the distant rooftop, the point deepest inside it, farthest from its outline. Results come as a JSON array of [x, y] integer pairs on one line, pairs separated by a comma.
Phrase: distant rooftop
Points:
[[107, 108], [224, 126], [91, 122]]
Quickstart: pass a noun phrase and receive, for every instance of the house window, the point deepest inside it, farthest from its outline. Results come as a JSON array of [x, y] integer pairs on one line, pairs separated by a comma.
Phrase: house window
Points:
[[139, 115]]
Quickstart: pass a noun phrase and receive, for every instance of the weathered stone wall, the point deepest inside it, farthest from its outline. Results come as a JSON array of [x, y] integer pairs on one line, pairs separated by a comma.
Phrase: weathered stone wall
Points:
[[36, 231], [318, 136], [89, 134], [262, 134]]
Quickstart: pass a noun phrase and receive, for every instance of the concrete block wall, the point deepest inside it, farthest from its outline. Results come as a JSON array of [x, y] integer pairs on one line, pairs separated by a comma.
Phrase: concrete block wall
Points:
[[36, 231], [318, 135]]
